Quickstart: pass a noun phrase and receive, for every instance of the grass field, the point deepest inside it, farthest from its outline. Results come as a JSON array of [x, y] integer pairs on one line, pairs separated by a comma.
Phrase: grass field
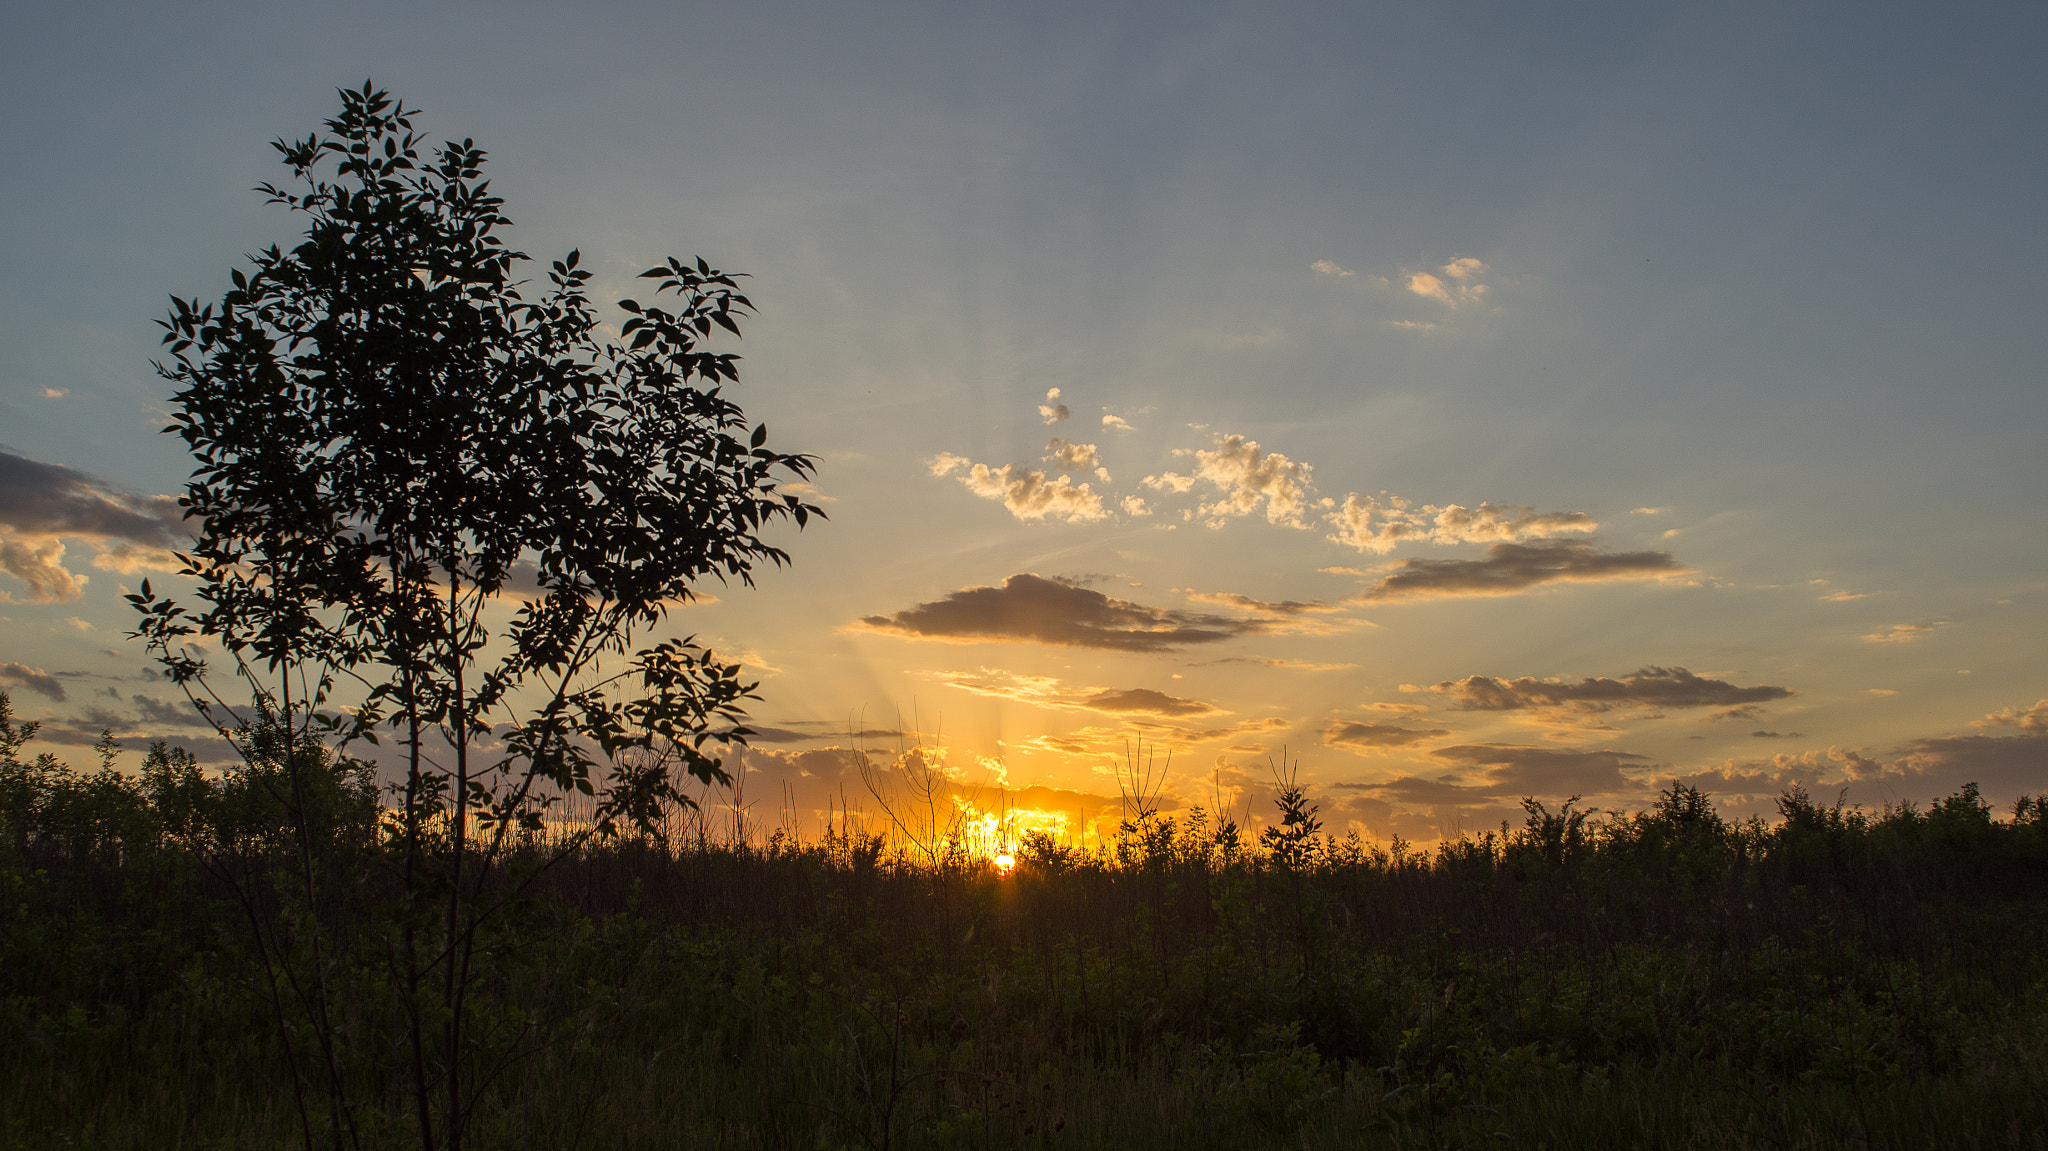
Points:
[[1652, 979]]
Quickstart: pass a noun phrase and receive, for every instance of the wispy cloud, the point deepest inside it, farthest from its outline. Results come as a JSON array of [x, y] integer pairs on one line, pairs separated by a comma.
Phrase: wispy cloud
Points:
[[1047, 691], [1379, 524], [1332, 268], [1246, 603], [1032, 609], [1115, 423], [1509, 569], [1903, 632]]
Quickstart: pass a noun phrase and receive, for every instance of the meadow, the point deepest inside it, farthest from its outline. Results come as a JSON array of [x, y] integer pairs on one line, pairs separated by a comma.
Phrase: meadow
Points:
[[1657, 978]]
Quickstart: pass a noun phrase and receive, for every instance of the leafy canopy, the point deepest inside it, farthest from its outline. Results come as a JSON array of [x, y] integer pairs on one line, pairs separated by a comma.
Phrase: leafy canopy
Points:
[[390, 436]]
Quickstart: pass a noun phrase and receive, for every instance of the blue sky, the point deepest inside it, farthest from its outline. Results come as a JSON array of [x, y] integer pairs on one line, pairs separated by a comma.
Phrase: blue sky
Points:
[[1750, 289]]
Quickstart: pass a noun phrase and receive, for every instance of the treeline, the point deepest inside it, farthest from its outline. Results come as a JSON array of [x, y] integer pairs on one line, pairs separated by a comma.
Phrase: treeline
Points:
[[1665, 977]]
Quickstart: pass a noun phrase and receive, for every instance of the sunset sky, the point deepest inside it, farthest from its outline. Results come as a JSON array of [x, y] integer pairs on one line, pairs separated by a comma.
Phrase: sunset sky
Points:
[[1473, 401]]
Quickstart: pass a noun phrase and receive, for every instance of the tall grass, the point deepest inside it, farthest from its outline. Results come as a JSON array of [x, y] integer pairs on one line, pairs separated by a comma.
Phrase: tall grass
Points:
[[1835, 978]]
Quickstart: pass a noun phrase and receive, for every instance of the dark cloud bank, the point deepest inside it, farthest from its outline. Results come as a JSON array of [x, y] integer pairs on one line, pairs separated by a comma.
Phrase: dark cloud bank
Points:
[[1653, 687], [1032, 609], [1515, 567]]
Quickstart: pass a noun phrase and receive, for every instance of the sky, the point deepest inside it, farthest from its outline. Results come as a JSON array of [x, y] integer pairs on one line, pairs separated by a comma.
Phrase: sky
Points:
[[1456, 403]]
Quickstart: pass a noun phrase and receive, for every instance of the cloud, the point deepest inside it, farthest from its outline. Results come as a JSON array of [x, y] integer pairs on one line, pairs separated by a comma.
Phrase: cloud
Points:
[[1459, 285], [1028, 494], [1378, 524], [1134, 506], [1331, 268], [1293, 665], [1047, 691], [1375, 737], [38, 499], [1517, 769], [1464, 268], [40, 565], [1115, 423], [1258, 606], [1512, 568], [1074, 457], [1032, 609], [2000, 765], [55, 393], [1145, 701], [41, 504], [1052, 411], [1649, 687], [2033, 719], [1245, 476], [1176, 733], [34, 679], [1903, 632]]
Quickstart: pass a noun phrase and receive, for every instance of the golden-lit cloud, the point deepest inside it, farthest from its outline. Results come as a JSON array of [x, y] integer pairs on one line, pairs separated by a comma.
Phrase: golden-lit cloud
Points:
[[1172, 734], [43, 504], [2033, 719], [39, 565], [1509, 569], [1332, 268], [1115, 423], [1029, 608], [1457, 286], [1052, 411], [1648, 688], [1903, 632], [1026, 493], [1075, 457], [1357, 735], [1245, 476], [1049, 692], [1379, 524], [1246, 603]]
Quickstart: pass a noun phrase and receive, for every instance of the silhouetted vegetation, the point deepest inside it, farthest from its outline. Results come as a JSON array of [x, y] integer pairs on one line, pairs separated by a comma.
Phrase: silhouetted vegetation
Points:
[[1665, 977], [389, 438]]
